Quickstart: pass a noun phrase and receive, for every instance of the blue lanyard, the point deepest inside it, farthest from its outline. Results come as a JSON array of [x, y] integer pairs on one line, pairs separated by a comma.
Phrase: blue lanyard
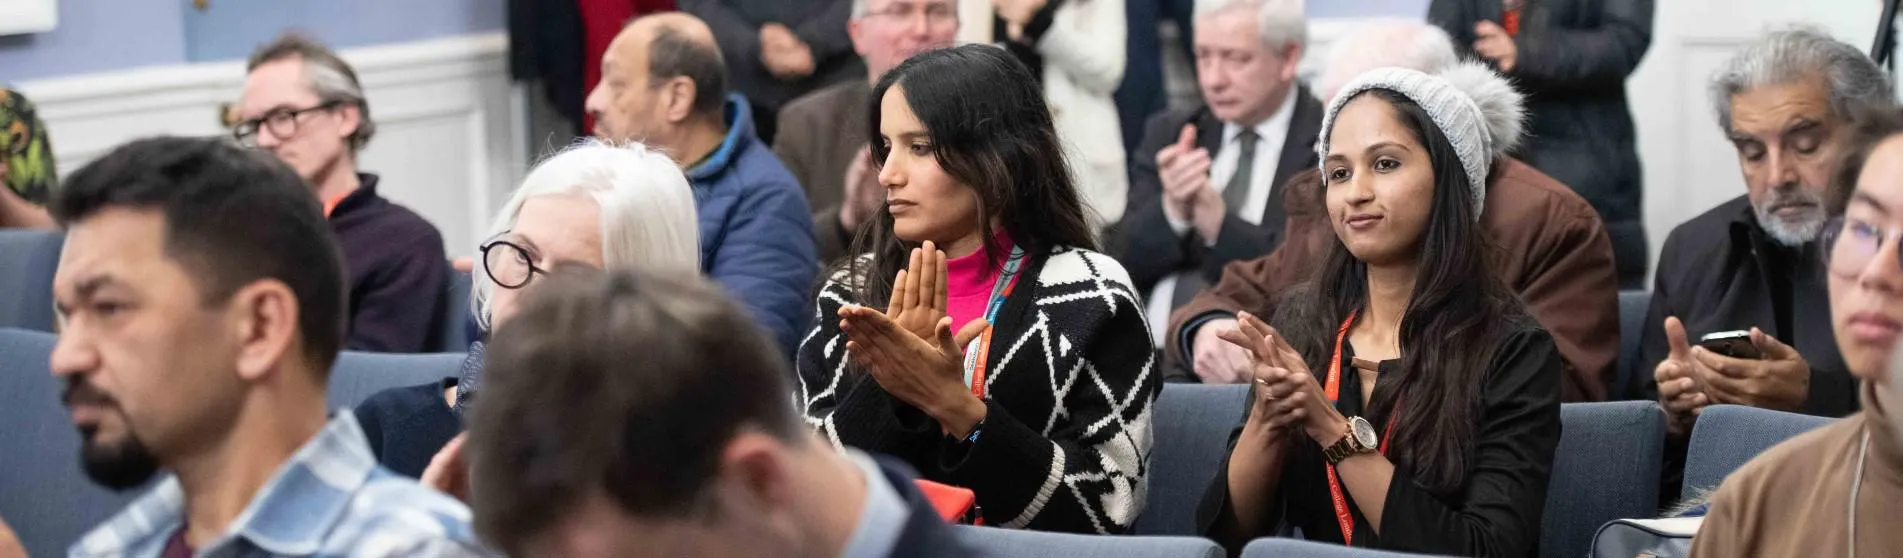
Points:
[[979, 348]]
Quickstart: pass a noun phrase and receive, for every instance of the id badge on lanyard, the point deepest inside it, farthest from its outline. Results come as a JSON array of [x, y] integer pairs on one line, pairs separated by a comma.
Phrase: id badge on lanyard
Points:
[[1332, 388]]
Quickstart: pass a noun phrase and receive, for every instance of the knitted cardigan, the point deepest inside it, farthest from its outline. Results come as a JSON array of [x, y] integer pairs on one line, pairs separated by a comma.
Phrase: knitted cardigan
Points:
[[1066, 440]]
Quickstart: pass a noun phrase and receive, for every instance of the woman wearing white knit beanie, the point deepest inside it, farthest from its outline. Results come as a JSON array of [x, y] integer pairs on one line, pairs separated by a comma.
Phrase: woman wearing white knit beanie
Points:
[[1407, 401]]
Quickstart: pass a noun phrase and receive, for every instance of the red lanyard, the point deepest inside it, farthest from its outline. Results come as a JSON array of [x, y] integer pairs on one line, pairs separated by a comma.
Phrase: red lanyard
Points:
[[1333, 390]]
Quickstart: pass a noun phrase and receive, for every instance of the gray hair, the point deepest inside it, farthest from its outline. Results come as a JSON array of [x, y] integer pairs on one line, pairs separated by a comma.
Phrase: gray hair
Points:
[[647, 209], [1280, 22], [863, 8], [1397, 42], [328, 75], [1854, 82]]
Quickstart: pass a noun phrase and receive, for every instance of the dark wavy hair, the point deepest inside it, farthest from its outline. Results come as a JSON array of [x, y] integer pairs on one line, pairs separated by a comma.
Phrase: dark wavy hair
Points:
[[991, 131], [1458, 313]]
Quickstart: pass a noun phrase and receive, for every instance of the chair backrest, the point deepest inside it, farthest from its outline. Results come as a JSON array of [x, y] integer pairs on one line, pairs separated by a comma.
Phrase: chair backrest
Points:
[[1294, 548], [357, 376], [453, 326], [1607, 468], [1192, 424], [1727, 436], [27, 261], [1632, 308], [44, 494], [994, 542]]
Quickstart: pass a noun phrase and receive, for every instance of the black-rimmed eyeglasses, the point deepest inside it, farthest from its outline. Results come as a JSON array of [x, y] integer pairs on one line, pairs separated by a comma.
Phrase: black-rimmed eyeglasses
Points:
[[509, 264], [281, 122]]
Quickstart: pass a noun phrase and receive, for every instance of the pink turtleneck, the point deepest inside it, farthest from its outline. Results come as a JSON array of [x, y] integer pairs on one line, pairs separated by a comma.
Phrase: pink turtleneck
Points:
[[969, 280]]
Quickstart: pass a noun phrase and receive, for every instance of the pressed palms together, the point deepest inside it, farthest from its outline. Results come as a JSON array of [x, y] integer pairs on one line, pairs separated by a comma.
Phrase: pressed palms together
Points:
[[910, 348]]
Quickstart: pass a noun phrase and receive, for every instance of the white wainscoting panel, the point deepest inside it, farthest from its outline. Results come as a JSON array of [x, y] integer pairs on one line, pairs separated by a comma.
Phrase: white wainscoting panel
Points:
[[446, 146]]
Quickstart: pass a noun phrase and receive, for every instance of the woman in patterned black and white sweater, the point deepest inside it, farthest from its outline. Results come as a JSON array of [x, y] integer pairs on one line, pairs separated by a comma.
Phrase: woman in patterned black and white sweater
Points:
[[1045, 414]]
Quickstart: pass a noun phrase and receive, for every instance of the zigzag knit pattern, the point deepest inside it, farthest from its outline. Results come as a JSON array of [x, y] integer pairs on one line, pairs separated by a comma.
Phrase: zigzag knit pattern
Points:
[[1067, 440]]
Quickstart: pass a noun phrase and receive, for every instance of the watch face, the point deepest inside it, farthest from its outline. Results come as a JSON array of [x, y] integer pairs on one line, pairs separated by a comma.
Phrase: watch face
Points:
[[1364, 432]]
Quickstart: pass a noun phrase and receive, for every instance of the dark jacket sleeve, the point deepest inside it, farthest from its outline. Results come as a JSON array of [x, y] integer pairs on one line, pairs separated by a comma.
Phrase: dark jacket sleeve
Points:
[[739, 39], [1238, 240], [842, 401], [1086, 475], [1513, 458], [1572, 289], [399, 305], [830, 237], [1145, 244], [766, 257], [1562, 58], [825, 30]]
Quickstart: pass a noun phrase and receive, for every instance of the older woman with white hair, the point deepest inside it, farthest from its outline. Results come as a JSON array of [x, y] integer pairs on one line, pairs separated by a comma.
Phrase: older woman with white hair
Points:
[[593, 205]]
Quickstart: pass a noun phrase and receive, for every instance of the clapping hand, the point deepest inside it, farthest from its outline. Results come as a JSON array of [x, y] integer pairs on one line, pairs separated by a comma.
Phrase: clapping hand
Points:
[[783, 53], [1493, 43], [910, 348], [1288, 396]]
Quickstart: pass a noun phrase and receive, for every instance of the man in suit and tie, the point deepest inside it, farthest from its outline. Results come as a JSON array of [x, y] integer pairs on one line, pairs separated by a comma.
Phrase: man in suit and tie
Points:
[[1204, 182]]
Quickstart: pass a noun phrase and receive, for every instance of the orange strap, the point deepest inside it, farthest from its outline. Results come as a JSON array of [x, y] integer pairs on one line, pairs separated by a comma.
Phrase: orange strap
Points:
[[982, 352], [1333, 389]]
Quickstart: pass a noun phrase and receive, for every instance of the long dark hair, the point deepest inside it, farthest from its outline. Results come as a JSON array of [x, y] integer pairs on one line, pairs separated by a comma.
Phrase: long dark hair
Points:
[[991, 131], [1458, 313]]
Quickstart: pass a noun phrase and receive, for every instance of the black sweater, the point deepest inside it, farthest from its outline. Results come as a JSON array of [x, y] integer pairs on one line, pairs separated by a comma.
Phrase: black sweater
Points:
[[1066, 441], [1497, 512], [397, 272]]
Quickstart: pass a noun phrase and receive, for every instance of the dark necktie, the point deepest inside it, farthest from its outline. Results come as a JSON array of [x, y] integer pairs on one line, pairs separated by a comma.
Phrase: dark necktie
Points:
[[1236, 194]]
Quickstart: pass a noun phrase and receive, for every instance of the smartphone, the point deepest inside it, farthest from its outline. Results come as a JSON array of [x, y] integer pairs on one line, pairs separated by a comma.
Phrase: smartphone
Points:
[[1734, 344]]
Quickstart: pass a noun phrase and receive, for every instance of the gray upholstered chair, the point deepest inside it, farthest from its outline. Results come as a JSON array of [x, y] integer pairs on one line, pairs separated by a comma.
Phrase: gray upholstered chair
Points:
[[1607, 468], [1727, 436], [994, 542], [1192, 423], [27, 261]]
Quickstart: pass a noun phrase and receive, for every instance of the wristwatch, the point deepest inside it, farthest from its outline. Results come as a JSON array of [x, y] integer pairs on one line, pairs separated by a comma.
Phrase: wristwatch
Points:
[[1360, 439]]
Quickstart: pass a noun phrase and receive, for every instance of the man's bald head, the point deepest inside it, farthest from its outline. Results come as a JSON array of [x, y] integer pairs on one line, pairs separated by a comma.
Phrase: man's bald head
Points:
[[1414, 45], [660, 71]]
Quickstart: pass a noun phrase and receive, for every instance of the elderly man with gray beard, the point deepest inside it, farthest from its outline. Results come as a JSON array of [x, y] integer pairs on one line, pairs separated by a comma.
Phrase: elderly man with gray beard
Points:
[[1788, 102]]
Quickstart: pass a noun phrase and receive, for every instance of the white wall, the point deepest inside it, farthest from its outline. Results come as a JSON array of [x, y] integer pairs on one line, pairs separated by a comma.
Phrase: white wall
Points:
[[446, 146]]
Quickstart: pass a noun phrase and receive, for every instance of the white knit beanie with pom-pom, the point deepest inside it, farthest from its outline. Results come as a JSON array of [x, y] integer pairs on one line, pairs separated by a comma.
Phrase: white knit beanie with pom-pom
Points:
[[1478, 111]]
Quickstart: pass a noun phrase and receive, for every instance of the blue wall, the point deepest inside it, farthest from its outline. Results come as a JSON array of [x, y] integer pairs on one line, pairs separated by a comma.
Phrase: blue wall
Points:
[[104, 35], [231, 28], [99, 35], [1366, 8]]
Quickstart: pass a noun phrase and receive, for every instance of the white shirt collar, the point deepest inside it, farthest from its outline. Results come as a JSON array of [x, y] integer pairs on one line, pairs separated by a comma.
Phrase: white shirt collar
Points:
[[1276, 126]]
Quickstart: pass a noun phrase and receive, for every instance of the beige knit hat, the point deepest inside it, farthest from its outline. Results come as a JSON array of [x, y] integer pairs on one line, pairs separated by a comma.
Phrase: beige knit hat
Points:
[[1474, 107]]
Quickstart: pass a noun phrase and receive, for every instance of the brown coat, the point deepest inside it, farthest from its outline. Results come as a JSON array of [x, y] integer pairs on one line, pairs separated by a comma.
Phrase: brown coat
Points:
[[1555, 254]]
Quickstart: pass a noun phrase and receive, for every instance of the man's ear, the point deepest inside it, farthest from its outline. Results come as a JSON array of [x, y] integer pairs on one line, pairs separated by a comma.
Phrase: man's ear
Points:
[[1291, 61], [758, 468], [349, 118], [853, 29], [678, 98], [264, 318]]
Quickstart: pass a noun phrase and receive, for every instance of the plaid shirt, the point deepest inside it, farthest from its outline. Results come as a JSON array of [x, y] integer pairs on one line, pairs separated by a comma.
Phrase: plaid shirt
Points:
[[331, 499]]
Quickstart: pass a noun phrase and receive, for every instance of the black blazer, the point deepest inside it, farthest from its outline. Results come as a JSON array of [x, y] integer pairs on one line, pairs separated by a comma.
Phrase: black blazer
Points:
[[1143, 241]]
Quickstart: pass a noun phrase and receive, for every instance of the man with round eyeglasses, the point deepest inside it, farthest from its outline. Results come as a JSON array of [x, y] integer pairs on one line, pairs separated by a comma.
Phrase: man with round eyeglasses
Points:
[[304, 105]]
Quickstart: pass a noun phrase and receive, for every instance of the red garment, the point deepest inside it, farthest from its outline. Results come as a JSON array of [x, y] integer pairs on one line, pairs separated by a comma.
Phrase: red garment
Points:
[[601, 20]]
